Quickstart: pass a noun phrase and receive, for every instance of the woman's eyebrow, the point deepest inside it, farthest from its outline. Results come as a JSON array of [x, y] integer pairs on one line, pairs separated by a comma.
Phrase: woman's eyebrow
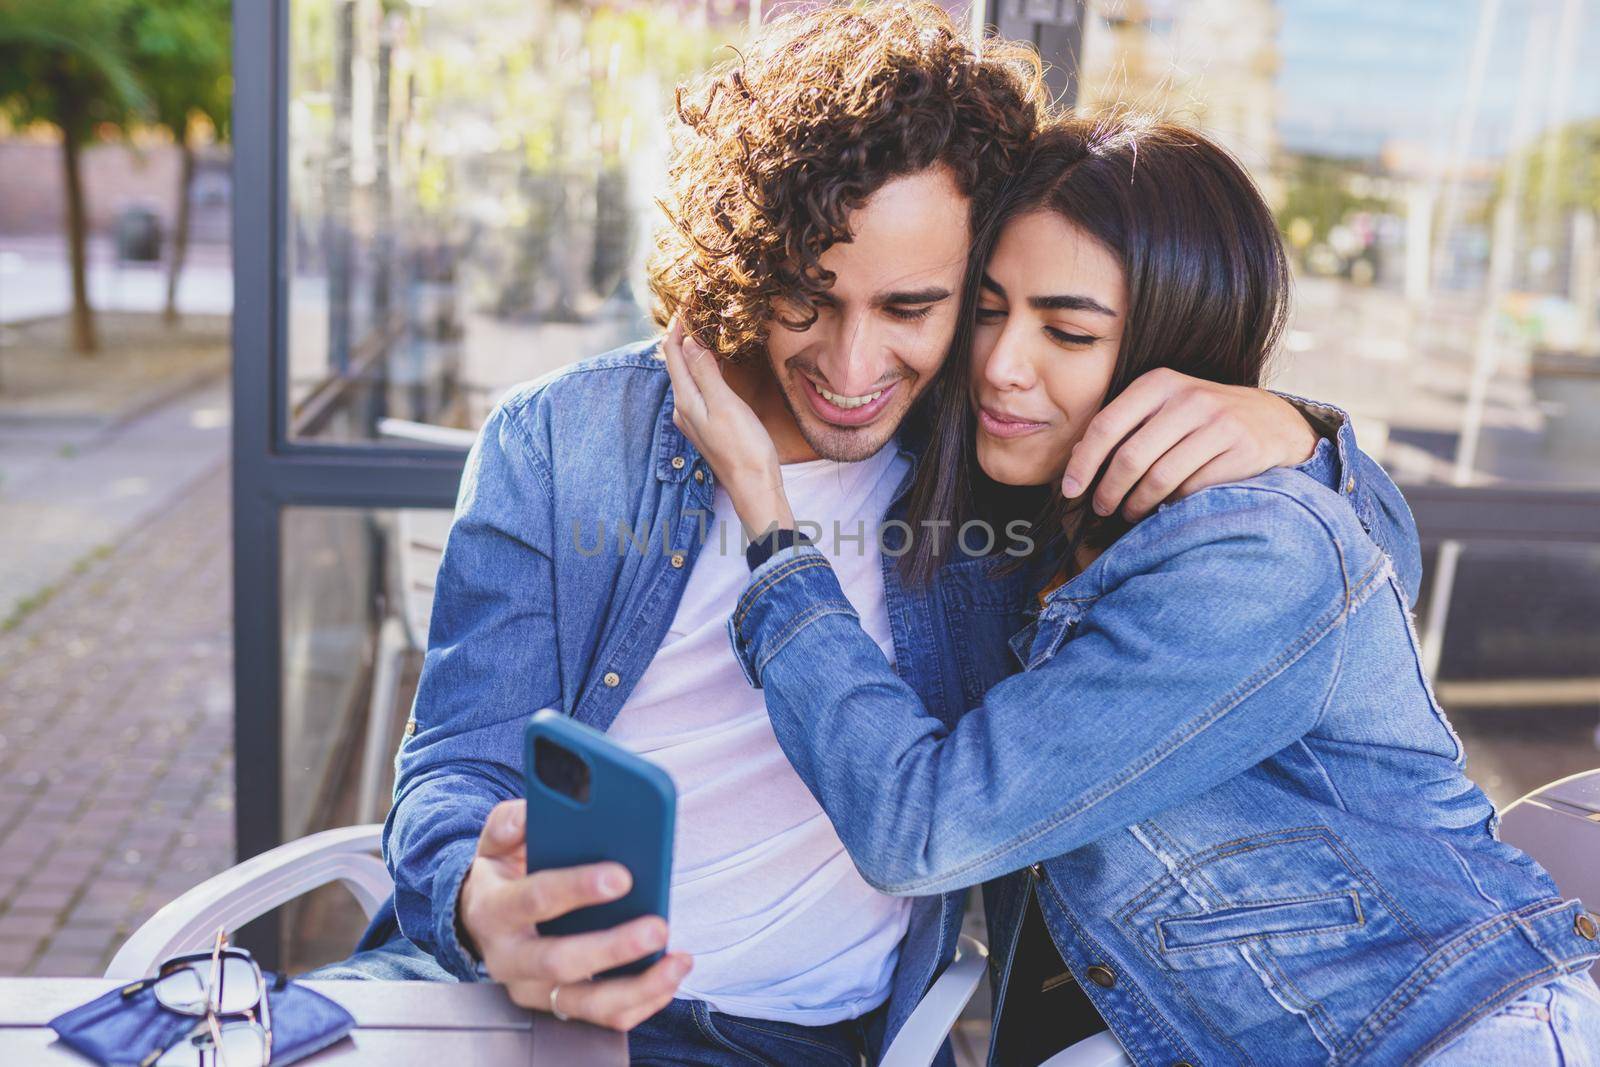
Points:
[[1053, 303], [1069, 302]]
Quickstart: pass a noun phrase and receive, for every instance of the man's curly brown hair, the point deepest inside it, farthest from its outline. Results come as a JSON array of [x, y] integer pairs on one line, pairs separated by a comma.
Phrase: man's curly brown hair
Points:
[[778, 145]]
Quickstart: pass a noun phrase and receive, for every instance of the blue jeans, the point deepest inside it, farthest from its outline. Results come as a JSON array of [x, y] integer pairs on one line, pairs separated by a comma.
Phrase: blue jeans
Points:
[[686, 1032], [1554, 1025]]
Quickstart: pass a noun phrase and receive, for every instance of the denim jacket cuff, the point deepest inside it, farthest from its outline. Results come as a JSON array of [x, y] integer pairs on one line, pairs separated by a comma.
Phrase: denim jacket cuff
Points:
[[795, 587], [454, 863], [1330, 461]]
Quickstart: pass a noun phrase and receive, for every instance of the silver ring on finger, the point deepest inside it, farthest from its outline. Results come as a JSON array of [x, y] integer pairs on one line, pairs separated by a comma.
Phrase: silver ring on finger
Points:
[[555, 1009]]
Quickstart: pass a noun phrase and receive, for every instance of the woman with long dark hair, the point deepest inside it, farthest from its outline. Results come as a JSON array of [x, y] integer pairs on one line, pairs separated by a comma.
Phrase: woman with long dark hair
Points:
[[1220, 782]]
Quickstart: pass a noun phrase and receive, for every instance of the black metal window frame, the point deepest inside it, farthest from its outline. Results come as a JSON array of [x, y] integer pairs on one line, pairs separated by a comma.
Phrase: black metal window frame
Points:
[[271, 471]]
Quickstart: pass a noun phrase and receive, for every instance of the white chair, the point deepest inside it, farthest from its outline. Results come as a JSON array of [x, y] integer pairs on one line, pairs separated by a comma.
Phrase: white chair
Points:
[[1559, 826], [420, 534], [348, 855], [1096, 1050]]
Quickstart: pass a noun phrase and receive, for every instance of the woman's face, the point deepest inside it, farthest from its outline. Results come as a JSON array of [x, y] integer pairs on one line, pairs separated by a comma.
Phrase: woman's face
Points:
[[1049, 328]]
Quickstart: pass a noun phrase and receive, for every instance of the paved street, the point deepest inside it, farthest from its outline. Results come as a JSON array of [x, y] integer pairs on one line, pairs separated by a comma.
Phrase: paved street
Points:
[[116, 762], [68, 491]]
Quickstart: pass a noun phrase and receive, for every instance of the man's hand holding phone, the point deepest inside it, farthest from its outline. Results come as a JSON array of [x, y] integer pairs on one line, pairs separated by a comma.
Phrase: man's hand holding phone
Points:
[[500, 905]]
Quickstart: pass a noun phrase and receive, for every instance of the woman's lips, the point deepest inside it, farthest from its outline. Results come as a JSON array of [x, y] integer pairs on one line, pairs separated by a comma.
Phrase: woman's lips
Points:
[[997, 425], [830, 412]]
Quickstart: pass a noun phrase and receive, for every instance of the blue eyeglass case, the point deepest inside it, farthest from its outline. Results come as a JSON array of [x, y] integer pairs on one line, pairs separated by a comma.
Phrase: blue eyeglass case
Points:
[[122, 1031]]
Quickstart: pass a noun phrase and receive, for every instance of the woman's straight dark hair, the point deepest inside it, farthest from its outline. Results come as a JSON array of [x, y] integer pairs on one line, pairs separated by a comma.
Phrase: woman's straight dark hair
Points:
[[1207, 294]]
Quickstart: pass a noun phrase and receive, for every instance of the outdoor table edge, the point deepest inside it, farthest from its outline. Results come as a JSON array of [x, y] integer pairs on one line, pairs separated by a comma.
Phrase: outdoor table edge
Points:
[[397, 1048], [33, 1002]]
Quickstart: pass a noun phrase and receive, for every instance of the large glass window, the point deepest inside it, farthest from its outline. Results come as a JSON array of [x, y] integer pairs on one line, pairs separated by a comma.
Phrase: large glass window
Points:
[[470, 194], [1434, 167]]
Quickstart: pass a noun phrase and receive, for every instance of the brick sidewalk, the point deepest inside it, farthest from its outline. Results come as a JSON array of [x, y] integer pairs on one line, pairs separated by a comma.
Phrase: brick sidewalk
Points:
[[116, 741]]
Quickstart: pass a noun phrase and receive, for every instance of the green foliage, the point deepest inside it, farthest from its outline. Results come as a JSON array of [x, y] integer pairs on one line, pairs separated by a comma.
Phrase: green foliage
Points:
[[64, 62], [182, 53], [1317, 190], [81, 65], [1561, 170]]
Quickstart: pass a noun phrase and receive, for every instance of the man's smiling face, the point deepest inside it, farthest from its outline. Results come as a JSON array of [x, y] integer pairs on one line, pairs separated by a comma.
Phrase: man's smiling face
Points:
[[884, 327]]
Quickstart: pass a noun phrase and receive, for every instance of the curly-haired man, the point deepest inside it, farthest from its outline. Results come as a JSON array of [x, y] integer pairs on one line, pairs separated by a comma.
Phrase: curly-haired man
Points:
[[823, 189]]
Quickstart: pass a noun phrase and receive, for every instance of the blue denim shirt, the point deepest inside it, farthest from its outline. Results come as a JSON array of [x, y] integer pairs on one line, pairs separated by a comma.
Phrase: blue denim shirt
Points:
[[1243, 807], [529, 612]]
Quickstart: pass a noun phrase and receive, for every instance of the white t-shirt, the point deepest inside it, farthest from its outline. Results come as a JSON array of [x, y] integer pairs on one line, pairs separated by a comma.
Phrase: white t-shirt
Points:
[[764, 896]]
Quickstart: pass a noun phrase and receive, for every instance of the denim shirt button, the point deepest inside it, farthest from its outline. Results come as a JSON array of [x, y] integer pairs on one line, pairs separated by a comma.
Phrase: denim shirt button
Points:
[[612, 679], [677, 559], [699, 475], [677, 463], [1101, 976]]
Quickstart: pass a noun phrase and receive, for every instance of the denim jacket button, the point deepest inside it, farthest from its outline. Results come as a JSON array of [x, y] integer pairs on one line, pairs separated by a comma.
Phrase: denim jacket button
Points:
[[1101, 976], [1585, 926], [612, 679]]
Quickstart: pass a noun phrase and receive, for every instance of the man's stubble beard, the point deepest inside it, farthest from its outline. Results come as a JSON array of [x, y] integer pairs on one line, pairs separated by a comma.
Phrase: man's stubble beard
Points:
[[838, 443], [841, 444]]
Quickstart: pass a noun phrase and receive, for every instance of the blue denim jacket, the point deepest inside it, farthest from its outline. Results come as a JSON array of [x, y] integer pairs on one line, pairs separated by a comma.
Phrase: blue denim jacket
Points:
[[530, 613], [1245, 812]]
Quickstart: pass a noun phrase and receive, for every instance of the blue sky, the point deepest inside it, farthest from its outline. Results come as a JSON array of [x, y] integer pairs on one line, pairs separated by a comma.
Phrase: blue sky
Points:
[[1356, 73]]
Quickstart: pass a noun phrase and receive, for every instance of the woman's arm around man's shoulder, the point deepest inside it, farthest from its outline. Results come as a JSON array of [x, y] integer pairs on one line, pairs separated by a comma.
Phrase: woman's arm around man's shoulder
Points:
[[1204, 641]]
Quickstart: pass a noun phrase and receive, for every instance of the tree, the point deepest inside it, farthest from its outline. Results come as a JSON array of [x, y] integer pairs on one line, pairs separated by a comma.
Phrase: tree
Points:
[[62, 62], [180, 50], [1562, 169]]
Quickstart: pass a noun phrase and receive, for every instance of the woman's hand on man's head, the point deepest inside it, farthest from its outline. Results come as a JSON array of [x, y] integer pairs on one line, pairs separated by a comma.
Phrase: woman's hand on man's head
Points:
[[1169, 435], [731, 437]]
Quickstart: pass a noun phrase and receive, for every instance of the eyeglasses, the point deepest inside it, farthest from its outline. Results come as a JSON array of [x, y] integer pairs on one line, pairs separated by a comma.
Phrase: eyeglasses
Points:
[[226, 997]]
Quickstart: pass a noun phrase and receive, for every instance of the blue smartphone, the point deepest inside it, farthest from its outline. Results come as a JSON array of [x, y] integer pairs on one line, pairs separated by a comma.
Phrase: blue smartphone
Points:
[[591, 800]]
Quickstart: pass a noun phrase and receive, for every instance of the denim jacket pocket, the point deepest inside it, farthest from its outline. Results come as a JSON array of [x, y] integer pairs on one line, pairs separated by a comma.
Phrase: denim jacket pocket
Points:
[[1265, 925], [1260, 920]]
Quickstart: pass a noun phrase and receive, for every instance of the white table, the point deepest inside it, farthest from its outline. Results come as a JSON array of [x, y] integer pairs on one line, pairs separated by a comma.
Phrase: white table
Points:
[[398, 1024]]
